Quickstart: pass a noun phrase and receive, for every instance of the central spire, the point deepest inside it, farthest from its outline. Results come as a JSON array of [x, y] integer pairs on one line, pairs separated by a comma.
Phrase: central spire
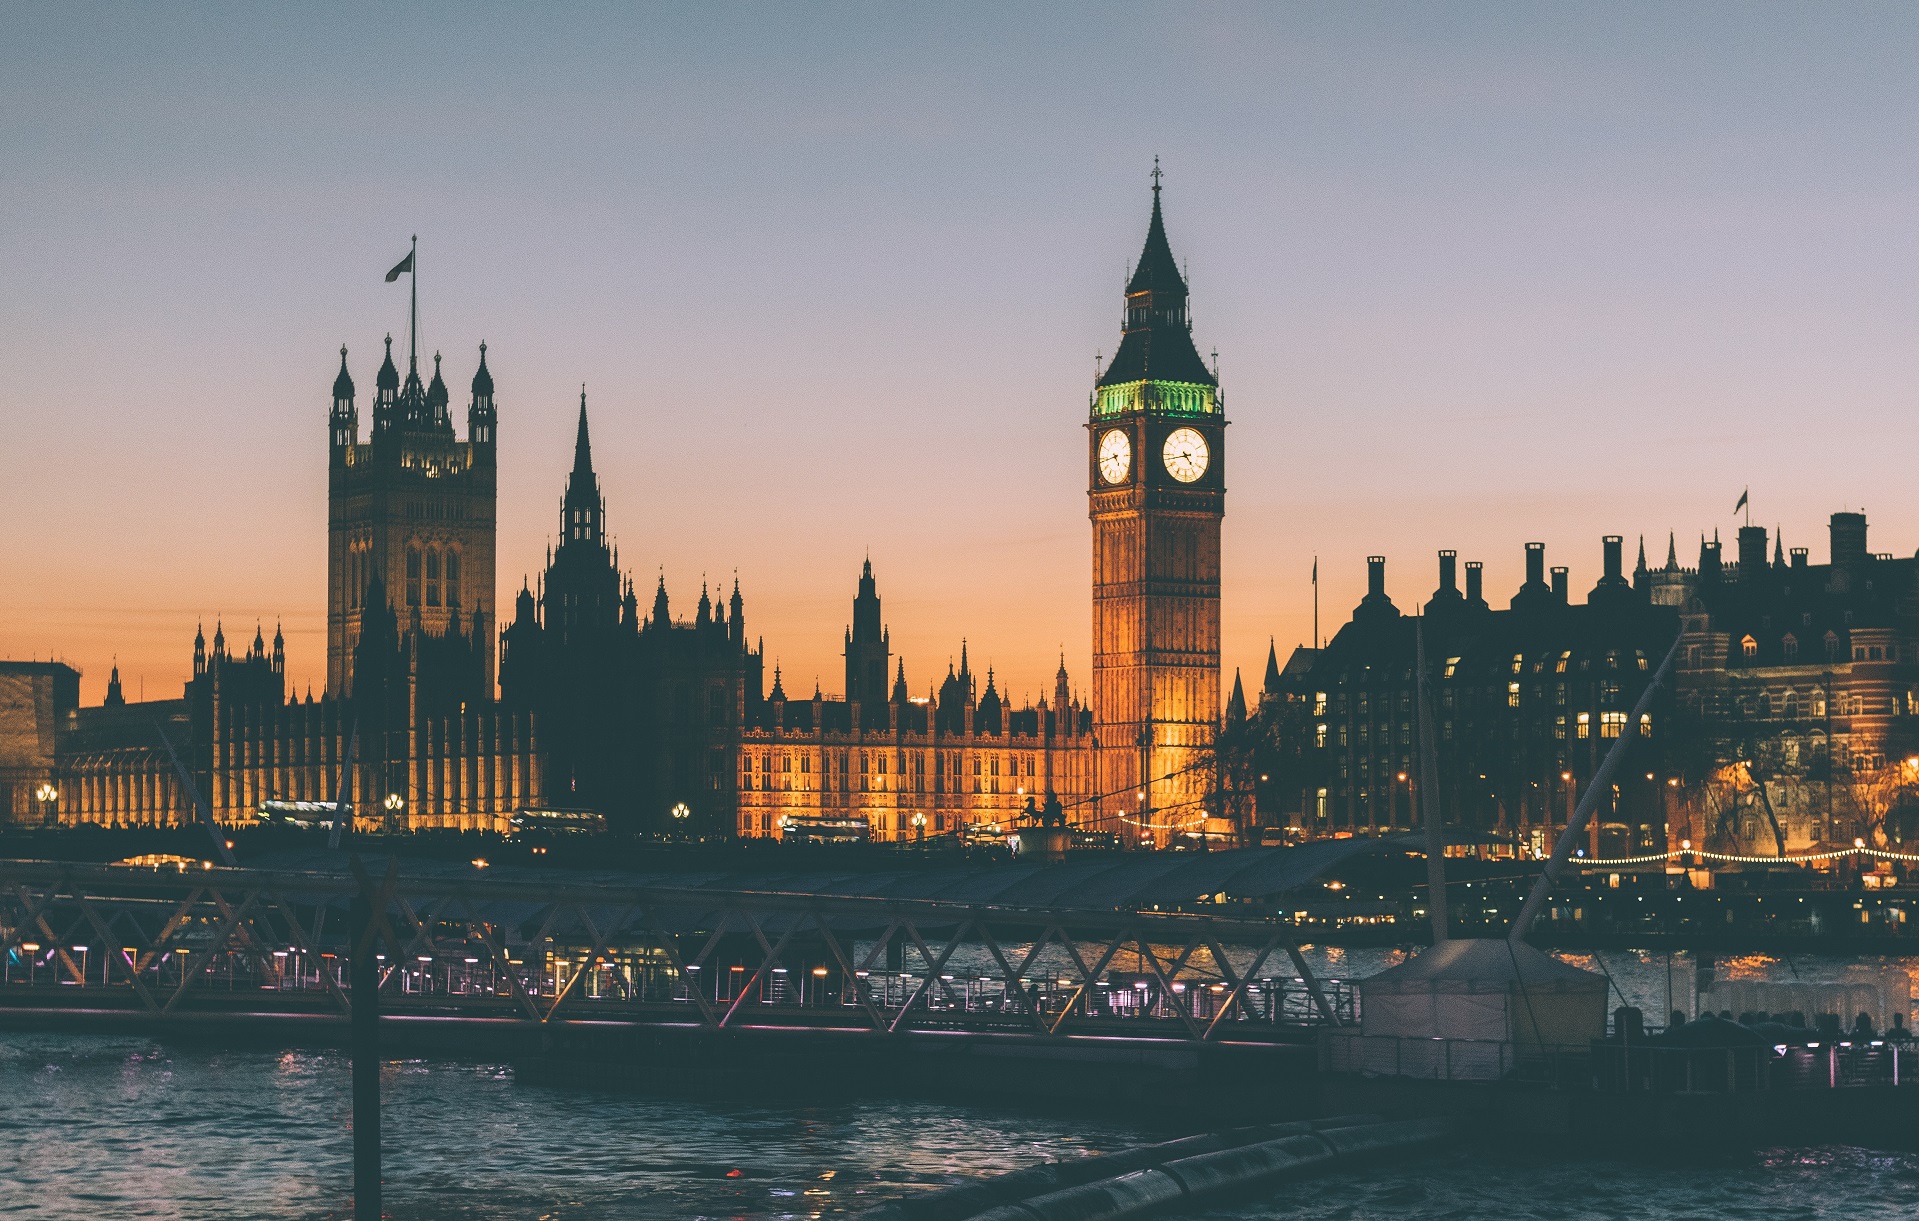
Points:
[[582, 446], [583, 511]]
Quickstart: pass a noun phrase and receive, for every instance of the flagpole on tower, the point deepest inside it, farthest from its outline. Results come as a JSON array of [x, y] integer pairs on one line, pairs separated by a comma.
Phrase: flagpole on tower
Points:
[[413, 310]]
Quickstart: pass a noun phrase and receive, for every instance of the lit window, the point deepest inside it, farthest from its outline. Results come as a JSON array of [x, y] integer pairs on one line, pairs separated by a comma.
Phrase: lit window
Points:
[[1585, 724], [1749, 647], [1512, 695], [1611, 724]]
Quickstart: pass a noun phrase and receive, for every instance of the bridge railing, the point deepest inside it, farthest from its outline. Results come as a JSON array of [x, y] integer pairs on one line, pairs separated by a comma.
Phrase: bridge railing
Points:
[[176, 944]]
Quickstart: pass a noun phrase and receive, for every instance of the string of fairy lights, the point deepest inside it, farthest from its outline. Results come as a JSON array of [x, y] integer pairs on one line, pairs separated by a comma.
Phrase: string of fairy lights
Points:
[[1803, 858]]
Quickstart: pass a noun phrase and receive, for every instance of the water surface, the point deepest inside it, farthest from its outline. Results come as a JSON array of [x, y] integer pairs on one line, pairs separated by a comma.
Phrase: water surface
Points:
[[100, 1127]]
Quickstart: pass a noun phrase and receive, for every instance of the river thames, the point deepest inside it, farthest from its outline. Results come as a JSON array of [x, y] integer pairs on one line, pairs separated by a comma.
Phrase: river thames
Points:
[[99, 1126]]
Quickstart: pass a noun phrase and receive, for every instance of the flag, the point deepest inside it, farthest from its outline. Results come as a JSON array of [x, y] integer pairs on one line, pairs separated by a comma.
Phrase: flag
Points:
[[1742, 501], [405, 264]]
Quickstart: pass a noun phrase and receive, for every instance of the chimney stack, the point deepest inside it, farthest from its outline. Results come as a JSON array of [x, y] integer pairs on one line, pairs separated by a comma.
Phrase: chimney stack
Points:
[[1613, 546], [1535, 563], [1375, 576], [1447, 559], [1475, 582], [1798, 558], [1559, 584]]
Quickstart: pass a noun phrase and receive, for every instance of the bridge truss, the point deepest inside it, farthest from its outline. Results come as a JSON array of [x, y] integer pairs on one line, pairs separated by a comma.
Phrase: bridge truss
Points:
[[197, 943]]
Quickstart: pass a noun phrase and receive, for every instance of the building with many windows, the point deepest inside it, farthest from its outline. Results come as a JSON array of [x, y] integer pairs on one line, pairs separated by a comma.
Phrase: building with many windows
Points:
[[1792, 717]]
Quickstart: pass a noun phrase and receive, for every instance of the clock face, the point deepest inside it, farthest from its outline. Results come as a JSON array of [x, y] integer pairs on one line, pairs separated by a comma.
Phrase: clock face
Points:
[[1185, 454], [1115, 456]]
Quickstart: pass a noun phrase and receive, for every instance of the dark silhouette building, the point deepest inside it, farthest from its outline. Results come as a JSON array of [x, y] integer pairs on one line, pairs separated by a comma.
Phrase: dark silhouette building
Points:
[[639, 716]]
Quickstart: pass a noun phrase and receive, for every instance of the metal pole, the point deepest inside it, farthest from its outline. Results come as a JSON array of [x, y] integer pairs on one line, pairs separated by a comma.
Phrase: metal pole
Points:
[[366, 1062], [1569, 834]]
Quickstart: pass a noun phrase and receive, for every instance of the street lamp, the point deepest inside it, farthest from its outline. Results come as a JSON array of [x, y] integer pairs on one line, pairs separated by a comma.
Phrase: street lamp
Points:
[[681, 812], [47, 795], [919, 827], [393, 803]]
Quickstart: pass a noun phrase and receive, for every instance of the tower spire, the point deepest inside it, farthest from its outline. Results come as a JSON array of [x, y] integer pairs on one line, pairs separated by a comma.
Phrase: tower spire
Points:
[[1157, 339], [583, 512]]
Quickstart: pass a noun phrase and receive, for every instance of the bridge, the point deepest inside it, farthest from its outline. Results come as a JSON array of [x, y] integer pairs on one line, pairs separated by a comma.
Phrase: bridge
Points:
[[1091, 949]]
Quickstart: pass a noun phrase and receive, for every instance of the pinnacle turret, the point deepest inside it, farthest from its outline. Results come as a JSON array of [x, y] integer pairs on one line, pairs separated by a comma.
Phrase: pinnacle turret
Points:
[[343, 384], [482, 379]]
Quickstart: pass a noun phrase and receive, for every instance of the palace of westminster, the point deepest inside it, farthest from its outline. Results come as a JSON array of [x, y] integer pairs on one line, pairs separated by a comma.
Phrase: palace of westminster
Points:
[[1796, 688]]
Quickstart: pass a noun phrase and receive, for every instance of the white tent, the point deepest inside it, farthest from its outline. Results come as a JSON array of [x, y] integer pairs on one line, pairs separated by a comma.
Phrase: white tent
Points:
[[1485, 989]]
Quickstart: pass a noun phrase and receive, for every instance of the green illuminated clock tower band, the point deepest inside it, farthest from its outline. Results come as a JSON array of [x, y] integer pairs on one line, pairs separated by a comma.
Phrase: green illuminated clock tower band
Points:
[[1157, 494]]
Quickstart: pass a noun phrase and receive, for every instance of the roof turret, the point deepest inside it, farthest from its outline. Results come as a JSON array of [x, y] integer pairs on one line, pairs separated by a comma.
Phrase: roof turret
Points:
[[482, 380], [389, 377], [343, 384], [436, 395]]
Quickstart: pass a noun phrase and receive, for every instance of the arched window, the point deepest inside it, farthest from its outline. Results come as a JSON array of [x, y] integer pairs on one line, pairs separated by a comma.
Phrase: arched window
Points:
[[1789, 647], [1749, 647], [433, 577], [453, 579], [412, 576]]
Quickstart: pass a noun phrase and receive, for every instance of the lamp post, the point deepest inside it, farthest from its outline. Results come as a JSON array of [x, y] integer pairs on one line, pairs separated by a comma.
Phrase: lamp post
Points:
[[393, 804], [47, 795], [680, 812], [919, 828]]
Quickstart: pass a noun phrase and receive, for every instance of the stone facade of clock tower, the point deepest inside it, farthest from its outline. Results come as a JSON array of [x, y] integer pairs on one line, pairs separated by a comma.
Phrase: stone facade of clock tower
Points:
[[1157, 493]]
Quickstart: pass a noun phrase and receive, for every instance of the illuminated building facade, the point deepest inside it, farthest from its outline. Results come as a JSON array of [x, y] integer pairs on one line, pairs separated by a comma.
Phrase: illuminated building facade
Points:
[[909, 767], [1157, 493]]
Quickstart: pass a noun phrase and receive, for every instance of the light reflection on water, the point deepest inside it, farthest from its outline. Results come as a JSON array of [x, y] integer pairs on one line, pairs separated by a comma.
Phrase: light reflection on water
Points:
[[103, 1127]]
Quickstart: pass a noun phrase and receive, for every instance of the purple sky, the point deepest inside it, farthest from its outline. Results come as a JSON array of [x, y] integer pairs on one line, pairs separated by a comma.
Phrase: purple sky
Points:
[[835, 278]]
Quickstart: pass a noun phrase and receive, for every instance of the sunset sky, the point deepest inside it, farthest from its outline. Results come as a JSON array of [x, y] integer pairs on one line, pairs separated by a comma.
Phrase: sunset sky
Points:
[[835, 276]]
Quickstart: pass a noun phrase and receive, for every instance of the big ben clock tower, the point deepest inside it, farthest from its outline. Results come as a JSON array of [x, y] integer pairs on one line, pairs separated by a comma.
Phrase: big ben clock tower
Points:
[[1157, 492]]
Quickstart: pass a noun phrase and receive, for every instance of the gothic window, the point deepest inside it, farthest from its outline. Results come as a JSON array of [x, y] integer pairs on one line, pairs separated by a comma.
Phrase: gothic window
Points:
[[1585, 725], [412, 576], [433, 578], [1832, 646], [453, 578], [1748, 647], [1789, 647], [1790, 707]]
